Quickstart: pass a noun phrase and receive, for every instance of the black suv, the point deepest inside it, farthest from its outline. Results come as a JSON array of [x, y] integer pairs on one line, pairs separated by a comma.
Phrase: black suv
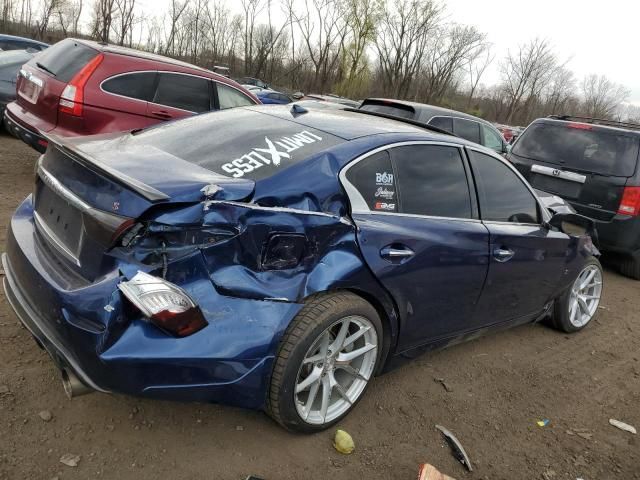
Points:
[[593, 164], [461, 124]]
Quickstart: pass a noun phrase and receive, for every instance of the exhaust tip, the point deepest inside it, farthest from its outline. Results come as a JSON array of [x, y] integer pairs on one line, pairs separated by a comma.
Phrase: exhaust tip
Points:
[[73, 386]]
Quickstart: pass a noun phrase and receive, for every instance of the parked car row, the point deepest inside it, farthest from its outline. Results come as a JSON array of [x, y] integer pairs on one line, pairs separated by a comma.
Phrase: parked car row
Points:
[[273, 257]]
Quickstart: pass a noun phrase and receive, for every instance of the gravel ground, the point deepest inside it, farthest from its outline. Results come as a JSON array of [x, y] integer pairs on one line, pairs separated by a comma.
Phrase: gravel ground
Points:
[[498, 388]]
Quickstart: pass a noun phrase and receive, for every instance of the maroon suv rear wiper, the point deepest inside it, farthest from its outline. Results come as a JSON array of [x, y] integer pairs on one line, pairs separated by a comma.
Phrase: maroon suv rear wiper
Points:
[[42, 67]]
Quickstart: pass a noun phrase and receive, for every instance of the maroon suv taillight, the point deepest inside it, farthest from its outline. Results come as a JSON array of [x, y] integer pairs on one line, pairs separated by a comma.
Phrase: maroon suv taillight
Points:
[[630, 203], [72, 96], [166, 305]]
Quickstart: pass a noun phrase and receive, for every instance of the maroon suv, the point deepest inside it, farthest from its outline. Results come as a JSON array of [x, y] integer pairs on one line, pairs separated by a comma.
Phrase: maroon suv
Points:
[[79, 87]]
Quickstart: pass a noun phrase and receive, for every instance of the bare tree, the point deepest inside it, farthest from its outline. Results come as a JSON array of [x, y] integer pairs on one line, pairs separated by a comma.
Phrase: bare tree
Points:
[[251, 9], [362, 18], [323, 30], [451, 49], [477, 67], [103, 12], [602, 97], [68, 13], [47, 9], [176, 10], [401, 42], [560, 90], [125, 17]]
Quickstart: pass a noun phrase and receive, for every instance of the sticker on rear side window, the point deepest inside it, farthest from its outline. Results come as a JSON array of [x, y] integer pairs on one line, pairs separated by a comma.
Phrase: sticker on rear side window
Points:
[[271, 153]]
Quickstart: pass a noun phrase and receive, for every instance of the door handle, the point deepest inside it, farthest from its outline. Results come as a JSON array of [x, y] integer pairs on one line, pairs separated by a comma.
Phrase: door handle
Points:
[[161, 114], [503, 254], [396, 252]]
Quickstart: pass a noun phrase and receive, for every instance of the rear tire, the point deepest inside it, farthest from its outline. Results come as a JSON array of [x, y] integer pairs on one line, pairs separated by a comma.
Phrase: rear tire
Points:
[[630, 267], [576, 307], [333, 345]]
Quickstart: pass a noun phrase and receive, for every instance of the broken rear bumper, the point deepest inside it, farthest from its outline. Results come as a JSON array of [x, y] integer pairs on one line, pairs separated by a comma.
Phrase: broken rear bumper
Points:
[[90, 329]]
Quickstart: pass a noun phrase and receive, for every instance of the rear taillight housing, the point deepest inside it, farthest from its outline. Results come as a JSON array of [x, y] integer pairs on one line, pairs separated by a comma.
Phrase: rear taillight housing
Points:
[[72, 98], [166, 305], [630, 203]]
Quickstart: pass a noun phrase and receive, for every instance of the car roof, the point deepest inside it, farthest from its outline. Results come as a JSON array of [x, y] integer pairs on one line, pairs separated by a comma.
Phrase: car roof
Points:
[[4, 36], [594, 123], [131, 52], [425, 110], [350, 124]]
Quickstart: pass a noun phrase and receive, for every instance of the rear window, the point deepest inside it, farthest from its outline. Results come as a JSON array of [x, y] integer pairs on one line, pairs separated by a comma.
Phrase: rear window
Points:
[[395, 109], [65, 59], [592, 150], [228, 143]]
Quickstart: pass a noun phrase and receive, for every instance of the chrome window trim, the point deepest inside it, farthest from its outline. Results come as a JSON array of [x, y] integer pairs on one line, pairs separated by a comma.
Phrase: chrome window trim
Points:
[[557, 173], [414, 215], [545, 213], [357, 201]]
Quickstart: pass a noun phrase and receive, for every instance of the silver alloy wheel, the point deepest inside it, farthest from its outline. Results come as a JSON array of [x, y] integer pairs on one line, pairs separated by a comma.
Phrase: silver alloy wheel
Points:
[[585, 296], [336, 370]]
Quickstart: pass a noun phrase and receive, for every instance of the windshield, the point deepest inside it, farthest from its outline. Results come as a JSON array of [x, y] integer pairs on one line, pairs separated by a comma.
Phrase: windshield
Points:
[[580, 146]]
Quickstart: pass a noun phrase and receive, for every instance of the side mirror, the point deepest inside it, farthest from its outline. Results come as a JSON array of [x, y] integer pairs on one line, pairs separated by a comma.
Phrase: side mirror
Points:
[[573, 224]]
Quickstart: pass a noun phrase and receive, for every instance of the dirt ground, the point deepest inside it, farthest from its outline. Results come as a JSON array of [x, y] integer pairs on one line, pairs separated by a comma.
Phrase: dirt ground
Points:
[[500, 386]]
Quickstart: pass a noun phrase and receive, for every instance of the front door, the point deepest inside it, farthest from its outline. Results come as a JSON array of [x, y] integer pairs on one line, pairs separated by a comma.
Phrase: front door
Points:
[[527, 259], [419, 233]]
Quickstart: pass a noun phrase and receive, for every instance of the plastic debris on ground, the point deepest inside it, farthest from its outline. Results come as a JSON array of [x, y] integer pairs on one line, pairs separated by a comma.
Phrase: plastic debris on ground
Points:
[[429, 472], [543, 423], [623, 426], [456, 447], [343, 442]]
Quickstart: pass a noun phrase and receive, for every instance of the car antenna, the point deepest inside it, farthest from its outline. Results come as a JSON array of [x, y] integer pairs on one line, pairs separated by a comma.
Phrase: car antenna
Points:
[[298, 110]]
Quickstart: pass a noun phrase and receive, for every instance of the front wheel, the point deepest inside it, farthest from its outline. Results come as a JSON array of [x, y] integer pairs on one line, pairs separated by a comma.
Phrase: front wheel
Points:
[[325, 362], [575, 309]]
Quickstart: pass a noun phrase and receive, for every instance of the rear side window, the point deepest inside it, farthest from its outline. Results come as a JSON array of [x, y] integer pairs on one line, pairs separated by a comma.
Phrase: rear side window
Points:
[[230, 97], [395, 109], [467, 129], [491, 139], [445, 123], [65, 59], [432, 181], [133, 85], [185, 92], [580, 146], [373, 177], [503, 195]]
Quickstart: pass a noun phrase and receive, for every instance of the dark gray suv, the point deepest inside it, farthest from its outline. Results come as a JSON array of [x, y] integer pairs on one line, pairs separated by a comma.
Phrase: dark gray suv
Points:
[[593, 164]]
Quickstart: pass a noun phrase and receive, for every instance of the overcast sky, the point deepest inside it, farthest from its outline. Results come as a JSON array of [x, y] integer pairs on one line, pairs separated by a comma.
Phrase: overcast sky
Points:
[[595, 36]]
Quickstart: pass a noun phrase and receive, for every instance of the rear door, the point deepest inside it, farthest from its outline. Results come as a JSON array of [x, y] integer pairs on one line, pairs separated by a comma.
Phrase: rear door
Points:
[[526, 259], [585, 164], [180, 95], [44, 77], [419, 233]]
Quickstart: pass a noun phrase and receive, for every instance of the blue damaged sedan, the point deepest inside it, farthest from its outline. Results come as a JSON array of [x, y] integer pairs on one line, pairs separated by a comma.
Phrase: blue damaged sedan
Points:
[[278, 258]]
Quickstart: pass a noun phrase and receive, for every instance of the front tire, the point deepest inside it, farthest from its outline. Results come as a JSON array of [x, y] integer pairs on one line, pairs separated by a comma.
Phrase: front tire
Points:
[[325, 362], [575, 309]]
